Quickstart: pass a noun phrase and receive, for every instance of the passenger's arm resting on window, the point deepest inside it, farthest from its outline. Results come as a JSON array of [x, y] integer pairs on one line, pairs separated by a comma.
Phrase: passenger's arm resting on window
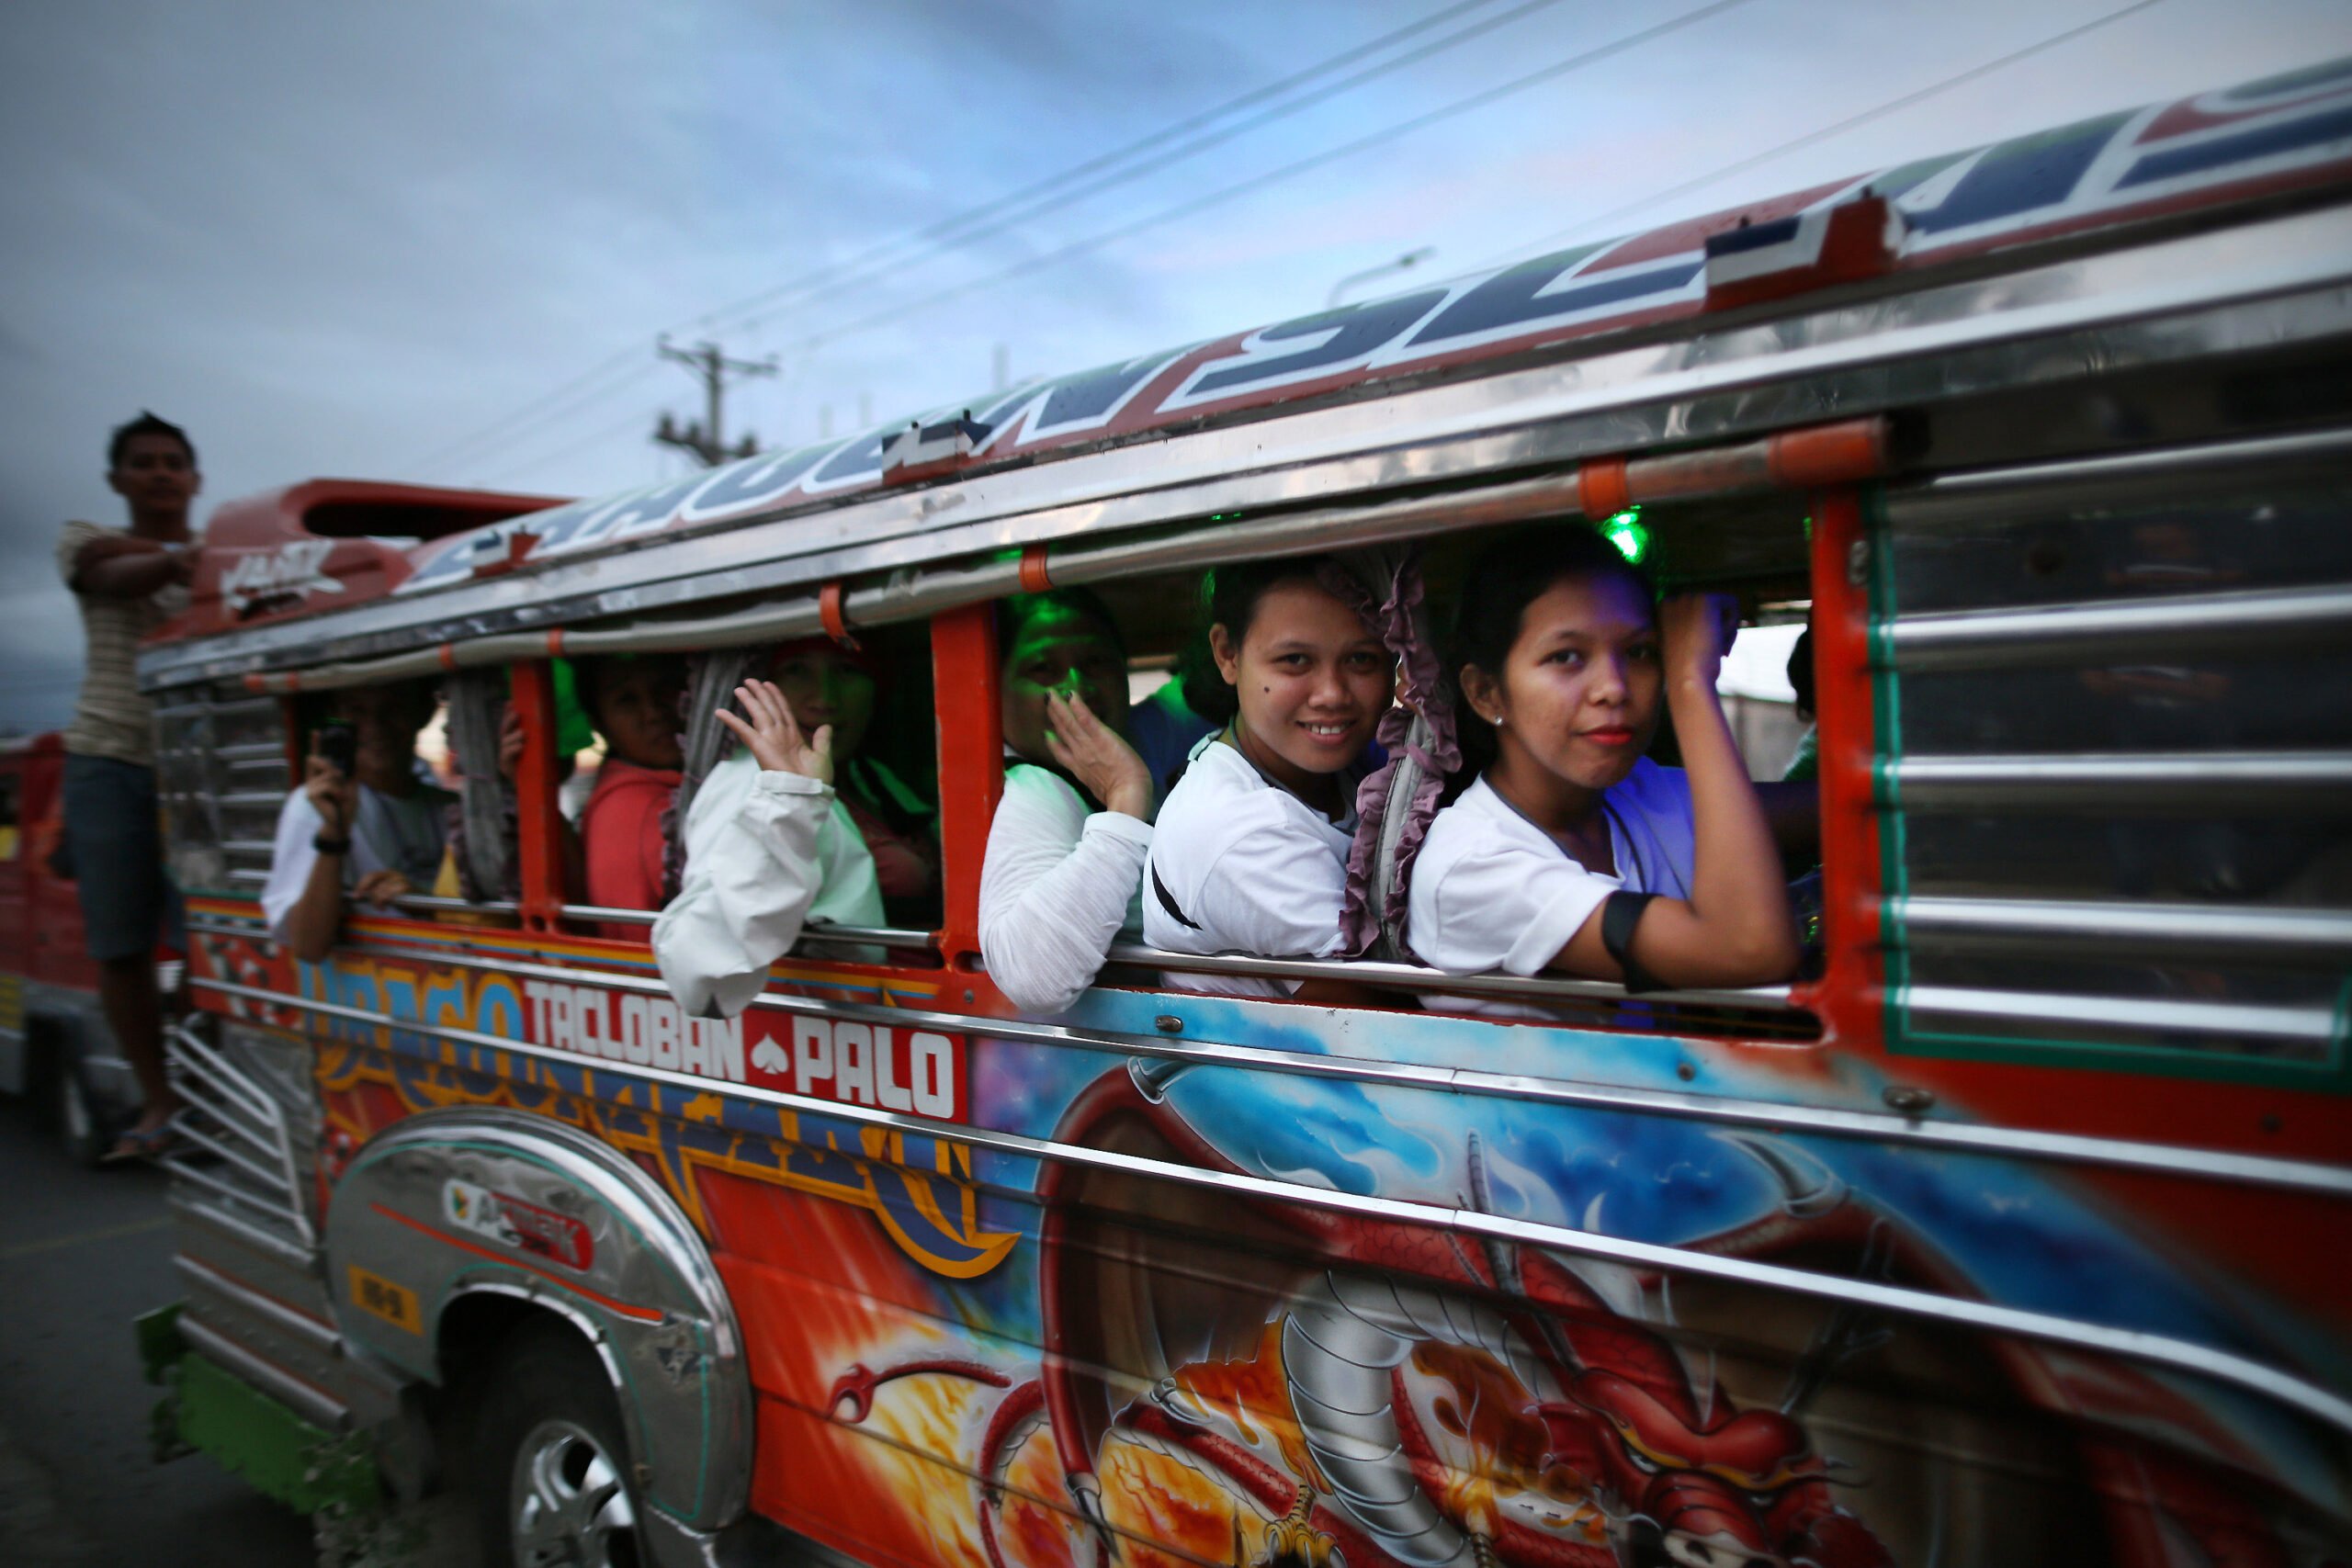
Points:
[[1277, 895], [1735, 929], [751, 873], [304, 900], [121, 567], [1051, 907]]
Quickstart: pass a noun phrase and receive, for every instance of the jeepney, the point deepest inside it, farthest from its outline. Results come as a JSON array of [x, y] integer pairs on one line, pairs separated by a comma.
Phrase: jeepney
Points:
[[2013, 1233]]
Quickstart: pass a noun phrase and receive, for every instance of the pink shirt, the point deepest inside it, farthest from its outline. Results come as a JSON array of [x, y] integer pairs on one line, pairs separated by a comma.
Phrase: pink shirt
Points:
[[620, 834]]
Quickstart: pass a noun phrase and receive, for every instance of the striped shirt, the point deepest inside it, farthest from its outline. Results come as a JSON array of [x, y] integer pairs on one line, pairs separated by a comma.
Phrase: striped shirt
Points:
[[113, 719]]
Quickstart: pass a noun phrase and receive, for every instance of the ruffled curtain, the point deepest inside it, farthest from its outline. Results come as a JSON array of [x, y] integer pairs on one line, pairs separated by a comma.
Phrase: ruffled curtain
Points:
[[1397, 801], [483, 825], [707, 742]]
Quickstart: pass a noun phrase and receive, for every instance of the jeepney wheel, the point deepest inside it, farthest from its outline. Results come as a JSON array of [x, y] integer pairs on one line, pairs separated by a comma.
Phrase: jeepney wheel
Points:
[[554, 1470]]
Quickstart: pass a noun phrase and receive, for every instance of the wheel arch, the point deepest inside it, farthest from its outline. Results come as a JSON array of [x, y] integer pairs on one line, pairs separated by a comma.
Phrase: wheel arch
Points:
[[455, 1226]]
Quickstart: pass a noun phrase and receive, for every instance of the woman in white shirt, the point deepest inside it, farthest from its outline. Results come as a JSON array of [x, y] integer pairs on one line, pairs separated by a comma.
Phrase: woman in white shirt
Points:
[[1066, 849], [769, 850], [1573, 853], [1250, 855]]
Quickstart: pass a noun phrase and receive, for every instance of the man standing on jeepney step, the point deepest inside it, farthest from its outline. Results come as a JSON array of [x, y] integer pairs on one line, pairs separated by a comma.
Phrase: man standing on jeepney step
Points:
[[127, 582]]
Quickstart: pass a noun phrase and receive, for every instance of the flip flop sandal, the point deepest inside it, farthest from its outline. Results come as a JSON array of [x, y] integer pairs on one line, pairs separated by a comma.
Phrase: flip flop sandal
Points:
[[136, 1144]]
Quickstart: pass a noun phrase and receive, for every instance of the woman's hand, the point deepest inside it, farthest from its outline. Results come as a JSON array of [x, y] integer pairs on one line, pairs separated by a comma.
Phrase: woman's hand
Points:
[[1097, 757], [1698, 629], [380, 887], [773, 735], [334, 795], [510, 744]]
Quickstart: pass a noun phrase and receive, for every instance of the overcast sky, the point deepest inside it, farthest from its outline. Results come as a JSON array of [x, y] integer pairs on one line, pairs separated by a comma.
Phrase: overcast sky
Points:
[[362, 240]]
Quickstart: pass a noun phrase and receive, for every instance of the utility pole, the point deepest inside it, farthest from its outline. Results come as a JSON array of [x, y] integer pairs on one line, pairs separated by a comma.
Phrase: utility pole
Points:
[[706, 438]]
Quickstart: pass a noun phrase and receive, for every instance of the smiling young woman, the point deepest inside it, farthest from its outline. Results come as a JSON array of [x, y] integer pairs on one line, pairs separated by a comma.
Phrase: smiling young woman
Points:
[[1572, 852], [1251, 851]]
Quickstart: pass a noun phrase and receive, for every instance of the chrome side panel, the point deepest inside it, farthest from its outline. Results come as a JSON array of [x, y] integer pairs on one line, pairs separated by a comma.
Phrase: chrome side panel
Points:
[[450, 1203]]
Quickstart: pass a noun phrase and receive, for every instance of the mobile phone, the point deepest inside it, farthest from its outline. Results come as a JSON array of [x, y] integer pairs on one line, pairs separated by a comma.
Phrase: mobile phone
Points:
[[338, 743]]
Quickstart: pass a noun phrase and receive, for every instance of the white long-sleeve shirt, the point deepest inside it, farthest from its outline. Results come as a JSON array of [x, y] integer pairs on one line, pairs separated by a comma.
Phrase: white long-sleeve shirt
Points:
[[766, 853], [1058, 884]]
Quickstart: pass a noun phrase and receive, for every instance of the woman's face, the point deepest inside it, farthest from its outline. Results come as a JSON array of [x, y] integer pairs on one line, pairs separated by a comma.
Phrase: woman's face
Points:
[[1312, 682], [385, 721], [636, 707], [1579, 693], [1060, 649], [823, 685]]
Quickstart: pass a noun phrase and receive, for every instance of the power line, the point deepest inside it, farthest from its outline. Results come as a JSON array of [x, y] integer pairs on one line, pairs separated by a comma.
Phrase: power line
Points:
[[1287, 170], [1536, 247], [546, 405], [630, 421], [816, 287]]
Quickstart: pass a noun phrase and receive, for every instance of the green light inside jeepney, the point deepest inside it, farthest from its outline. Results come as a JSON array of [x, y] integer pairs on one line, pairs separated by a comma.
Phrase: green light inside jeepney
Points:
[[1625, 531]]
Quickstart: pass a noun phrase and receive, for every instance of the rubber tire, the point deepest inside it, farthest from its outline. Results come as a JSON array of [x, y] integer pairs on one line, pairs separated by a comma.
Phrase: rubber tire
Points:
[[542, 1371]]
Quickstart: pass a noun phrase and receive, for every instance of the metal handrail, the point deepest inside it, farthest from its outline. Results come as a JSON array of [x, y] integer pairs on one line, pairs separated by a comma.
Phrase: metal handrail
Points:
[[1960, 1137], [2316, 1022], [2197, 931], [2240, 782], [2274, 1383], [2002, 638]]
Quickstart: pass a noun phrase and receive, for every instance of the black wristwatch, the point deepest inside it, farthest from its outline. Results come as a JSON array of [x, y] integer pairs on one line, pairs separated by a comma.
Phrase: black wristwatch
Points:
[[327, 846]]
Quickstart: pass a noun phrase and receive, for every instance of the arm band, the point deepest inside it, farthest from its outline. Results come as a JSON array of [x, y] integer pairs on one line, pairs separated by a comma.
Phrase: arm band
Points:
[[1619, 913]]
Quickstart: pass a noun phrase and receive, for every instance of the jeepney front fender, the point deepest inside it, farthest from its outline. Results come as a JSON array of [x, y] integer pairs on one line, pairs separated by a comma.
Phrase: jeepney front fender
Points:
[[457, 1203]]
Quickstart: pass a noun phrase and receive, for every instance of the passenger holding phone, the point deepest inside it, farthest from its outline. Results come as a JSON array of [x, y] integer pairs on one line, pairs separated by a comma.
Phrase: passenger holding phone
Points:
[[364, 825]]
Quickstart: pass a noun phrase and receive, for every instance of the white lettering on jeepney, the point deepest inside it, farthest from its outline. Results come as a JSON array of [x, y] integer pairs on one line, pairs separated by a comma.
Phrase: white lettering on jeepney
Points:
[[812, 1052], [895, 1096], [934, 1075], [290, 571], [853, 1063], [662, 1031], [640, 1031]]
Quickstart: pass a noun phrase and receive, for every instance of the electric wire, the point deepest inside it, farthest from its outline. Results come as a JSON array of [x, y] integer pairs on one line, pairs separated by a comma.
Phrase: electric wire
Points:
[[1065, 190], [936, 235], [1391, 133], [1257, 182]]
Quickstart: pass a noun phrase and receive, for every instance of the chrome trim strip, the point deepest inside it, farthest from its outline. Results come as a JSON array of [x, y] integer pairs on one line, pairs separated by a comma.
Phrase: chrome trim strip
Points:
[[258, 799], [615, 917], [197, 1212], [206, 707], [430, 902], [2165, 1160], [251, 846], [1416, 977], [2292, 1024], [1398, 976], [221, 1151], [183, 1172], [2179, 1355], [2160, 473], [319, 1409], [2235, 783], [319, 1335], [2050, 634], [2216, 931]]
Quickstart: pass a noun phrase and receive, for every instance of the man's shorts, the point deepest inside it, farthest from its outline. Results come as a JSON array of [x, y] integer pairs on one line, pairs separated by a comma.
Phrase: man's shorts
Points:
[[114, 845]]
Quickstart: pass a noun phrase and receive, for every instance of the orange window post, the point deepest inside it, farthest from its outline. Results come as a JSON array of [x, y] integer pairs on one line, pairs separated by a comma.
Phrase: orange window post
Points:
[[540, 823], [971, 764], [1849, 999]]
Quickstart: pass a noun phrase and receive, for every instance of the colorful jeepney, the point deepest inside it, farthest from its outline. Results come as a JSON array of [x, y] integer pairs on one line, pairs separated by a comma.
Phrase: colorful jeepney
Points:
[[2013, 1233]]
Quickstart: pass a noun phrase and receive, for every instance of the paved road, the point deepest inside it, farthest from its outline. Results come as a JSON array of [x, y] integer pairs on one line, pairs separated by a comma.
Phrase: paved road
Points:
[[81, 1253]]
